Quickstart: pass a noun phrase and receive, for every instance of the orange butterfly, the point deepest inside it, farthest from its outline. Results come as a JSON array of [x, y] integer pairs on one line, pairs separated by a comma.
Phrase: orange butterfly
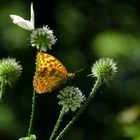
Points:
[[50, 73]]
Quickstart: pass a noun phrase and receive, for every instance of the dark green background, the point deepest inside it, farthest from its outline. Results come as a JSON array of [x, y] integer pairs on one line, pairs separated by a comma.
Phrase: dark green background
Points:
[[86, 31]]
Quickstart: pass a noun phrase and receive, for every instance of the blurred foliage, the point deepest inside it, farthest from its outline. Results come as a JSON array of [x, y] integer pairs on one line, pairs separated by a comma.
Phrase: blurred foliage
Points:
[[86, 31], [11, 34]]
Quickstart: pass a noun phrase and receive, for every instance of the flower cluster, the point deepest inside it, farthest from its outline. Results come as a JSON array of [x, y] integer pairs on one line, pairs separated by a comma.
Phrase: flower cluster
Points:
[[10, 70], [42, 38], [70, 98], [104, 68]]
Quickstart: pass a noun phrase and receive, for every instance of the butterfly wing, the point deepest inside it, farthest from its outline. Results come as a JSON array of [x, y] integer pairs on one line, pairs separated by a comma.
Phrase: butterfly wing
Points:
[[49, 72]]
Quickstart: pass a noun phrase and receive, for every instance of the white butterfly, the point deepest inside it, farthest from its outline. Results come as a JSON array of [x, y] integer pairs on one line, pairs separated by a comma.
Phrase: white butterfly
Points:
[[25, 24]]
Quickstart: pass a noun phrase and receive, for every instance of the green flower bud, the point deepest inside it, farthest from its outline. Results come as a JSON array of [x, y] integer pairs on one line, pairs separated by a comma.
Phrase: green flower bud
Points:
[[104, 69], [10, 70], [31, 137]]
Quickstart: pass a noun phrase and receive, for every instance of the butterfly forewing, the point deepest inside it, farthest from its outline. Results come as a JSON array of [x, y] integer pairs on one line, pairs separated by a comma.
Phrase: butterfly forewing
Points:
[[49, 73]]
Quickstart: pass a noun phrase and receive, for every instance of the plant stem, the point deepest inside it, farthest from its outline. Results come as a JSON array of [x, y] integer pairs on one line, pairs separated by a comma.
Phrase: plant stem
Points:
[[57, 123], [91, 95], [32, 113], [1, 89]]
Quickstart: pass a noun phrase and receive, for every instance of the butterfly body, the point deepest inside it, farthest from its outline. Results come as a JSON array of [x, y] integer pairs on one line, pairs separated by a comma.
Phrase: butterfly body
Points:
[[50, 73]]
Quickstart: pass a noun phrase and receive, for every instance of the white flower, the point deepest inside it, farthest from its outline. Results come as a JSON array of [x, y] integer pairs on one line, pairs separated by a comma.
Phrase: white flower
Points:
[[25, 24], [42, 38], [70, 98]]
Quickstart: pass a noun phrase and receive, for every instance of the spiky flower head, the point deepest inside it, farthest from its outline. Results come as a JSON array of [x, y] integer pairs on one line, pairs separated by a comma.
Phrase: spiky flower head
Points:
[[70, 98], [42, 38], [104, 69], [10, 70], [31, 137]]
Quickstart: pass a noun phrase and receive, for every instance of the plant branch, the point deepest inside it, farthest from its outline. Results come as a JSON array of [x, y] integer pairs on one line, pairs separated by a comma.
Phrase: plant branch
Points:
[[57, 123], [91, 95], [32, 113]]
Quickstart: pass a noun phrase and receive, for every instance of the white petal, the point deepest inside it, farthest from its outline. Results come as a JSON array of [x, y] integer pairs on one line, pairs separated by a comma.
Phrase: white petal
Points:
[[21, 22], [32, 20]]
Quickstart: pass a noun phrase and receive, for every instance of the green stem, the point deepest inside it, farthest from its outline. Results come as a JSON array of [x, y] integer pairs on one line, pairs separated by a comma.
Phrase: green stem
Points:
[[91, 95], [32, 113], [57, 123], [1, 89]]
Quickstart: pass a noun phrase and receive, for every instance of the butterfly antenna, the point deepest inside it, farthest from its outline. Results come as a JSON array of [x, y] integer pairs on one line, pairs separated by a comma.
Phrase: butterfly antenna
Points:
[[79, 70]]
